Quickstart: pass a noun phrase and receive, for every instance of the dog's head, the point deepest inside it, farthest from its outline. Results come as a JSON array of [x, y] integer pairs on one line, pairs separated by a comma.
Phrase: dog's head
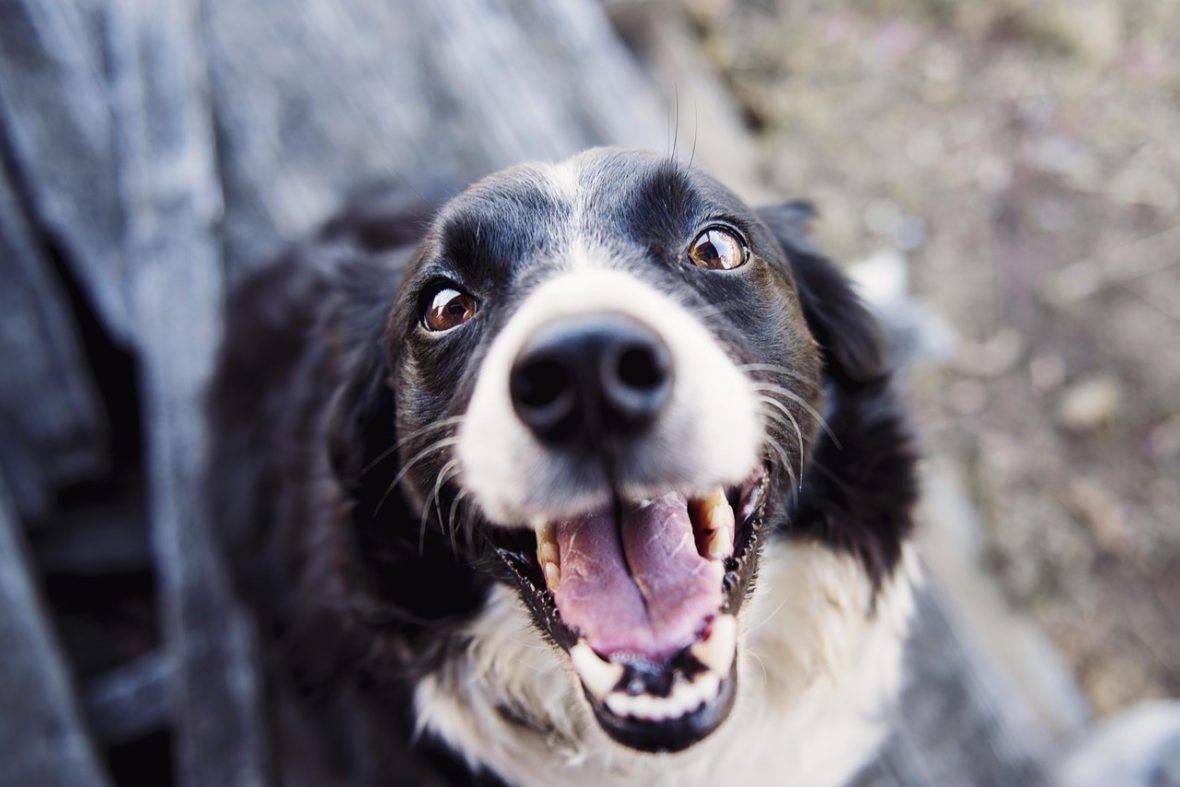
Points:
[[607, 387]]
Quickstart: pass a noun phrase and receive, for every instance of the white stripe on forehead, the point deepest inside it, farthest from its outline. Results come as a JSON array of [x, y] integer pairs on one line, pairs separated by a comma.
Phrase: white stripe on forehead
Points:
[[581, 250]]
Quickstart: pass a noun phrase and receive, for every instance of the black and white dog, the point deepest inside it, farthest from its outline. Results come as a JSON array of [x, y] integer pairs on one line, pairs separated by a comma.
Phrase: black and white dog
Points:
[[599, 481]]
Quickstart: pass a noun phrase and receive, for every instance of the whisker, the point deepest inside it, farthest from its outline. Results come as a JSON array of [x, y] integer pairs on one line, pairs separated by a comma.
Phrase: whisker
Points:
[[778, 419], [782, 455], [451, 518], [786, 411], [444, 474], [440, 424], [434, 447], [767, 619], [797, 399]]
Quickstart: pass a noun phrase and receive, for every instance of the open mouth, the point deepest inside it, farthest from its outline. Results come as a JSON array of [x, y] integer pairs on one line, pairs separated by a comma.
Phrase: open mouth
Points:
[[645, 602]]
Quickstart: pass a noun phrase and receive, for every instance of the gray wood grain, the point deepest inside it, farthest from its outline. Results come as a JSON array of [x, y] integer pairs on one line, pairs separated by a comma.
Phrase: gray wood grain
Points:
[[131, 700], [55, 431], [314, 97], [55, 110], [41, 731], [175, 287]]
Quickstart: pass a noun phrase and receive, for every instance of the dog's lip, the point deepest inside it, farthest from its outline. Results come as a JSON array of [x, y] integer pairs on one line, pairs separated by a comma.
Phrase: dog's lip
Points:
[[651, 722]]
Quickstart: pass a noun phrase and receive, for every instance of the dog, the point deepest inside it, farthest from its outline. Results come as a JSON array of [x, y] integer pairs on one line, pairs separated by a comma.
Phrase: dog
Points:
[[595, 476]]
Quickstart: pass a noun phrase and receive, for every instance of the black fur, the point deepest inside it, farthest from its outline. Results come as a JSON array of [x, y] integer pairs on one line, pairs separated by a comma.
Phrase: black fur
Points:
[[322, 372], [861, 483]]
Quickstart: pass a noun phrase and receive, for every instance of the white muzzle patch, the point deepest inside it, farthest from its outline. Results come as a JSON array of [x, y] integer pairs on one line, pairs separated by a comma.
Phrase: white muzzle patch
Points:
[[709, 433]]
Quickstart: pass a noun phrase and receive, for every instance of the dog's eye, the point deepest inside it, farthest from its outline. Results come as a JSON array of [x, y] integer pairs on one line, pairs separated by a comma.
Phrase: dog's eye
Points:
[[718, 248], [448, 308]]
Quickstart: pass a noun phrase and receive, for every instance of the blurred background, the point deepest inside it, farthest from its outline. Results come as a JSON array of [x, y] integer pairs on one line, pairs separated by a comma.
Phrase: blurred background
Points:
[[1001, 179]]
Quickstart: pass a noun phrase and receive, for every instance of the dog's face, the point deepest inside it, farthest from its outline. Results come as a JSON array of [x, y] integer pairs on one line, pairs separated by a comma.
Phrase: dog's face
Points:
[[604, 377]]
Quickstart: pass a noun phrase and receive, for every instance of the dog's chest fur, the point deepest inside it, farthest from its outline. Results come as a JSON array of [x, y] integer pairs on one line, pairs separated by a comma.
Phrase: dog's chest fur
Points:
[[821, 662]]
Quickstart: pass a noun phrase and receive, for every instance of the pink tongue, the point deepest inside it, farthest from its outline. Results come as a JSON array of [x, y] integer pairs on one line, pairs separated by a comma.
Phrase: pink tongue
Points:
[[646, 596]]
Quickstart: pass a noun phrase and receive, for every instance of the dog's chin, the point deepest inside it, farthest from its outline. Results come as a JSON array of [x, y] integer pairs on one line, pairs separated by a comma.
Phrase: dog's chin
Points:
[[643, 599]]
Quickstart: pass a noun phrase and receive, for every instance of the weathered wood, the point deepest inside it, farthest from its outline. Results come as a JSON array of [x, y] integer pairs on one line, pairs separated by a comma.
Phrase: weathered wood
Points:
[[55, 431], [55, 110], [102, 538], [172, 206], [131, 700], [41, 731], [314, 97]]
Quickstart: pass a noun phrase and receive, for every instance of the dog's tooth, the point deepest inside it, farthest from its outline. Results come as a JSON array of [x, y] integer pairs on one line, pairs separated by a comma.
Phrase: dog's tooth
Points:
[[720, 544], [708, 687], [714, 523], [552, 575], [598, 675], [643, 706], [619, 704], [547, 552], [717, 650], [719, 514]]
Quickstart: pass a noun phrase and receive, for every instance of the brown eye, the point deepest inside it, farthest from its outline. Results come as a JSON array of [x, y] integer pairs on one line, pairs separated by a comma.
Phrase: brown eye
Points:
[[449, 308], [718, 248]]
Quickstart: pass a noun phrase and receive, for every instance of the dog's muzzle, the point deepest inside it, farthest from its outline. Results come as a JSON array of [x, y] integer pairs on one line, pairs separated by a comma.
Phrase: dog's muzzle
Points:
[[631, 451]]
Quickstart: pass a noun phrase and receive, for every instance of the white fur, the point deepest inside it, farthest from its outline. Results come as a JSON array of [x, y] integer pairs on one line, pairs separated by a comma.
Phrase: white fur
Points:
[[709, 432], [817, 669]]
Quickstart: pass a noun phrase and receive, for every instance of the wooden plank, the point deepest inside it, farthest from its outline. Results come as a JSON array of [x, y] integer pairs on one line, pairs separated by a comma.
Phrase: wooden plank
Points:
[[131, 700], [41, 731], [101, 538], [176, 288], [55, 427], [55, 111], [314, 97]]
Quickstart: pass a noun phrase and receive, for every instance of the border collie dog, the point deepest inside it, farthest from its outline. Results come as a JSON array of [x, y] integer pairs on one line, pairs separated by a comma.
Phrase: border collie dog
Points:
[[596, 476]]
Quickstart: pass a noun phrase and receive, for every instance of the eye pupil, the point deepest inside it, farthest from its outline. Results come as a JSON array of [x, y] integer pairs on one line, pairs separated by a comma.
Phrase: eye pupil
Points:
[[718, 249], [448, 308]]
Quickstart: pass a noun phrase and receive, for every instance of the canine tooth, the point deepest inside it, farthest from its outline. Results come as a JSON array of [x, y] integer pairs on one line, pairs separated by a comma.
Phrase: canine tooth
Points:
[[720, 544], [709, 686], [714, 521], [717, 650], [599, 675], [552, 575], [718, 513], [547, 552]]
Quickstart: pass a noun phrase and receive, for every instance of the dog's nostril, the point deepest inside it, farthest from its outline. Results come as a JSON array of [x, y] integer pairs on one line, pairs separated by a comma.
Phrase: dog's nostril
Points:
[[541, 383], [542, 388], [641, 367], [588, 377]]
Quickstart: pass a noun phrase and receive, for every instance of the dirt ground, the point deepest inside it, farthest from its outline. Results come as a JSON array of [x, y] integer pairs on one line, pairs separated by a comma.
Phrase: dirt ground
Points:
[[1025, 158]]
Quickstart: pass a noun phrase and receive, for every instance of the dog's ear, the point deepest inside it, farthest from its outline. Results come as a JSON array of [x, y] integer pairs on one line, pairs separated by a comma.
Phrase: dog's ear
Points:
[[849, 336], [361, 418]]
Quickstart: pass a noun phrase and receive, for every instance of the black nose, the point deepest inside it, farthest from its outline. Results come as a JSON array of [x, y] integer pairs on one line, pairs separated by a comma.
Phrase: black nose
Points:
[[591, 376]]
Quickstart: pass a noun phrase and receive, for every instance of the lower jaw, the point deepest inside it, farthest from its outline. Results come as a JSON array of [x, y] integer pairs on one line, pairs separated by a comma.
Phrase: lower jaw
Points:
[[673, 734], [627, 713]]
